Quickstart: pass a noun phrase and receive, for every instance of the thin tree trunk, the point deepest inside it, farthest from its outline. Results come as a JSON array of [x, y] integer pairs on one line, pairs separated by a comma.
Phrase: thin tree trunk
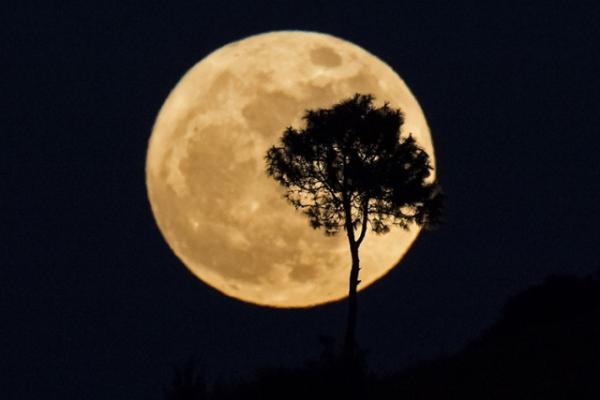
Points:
[[350, 340]]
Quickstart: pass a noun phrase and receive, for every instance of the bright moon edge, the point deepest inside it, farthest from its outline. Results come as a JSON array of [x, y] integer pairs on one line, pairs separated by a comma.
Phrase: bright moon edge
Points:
[[173, 142]]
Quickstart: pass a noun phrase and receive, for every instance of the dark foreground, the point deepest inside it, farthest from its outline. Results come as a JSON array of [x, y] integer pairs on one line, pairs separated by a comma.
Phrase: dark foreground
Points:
[[545, 345]]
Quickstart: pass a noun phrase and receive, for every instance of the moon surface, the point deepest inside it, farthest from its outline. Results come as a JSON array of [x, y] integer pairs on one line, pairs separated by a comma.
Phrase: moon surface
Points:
[[219, 212]]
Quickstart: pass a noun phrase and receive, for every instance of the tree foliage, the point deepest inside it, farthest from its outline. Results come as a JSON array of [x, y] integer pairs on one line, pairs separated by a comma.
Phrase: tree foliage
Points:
[[350, 166]]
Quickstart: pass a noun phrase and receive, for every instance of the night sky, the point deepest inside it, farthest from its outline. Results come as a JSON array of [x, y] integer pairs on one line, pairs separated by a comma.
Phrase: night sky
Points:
[[94, 305]]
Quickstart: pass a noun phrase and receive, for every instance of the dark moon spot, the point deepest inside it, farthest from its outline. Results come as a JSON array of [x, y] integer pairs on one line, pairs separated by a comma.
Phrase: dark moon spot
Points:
[[325, 56]]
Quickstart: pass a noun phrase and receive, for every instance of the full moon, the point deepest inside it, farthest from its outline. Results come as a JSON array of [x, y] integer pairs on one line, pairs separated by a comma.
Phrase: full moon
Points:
[[218, 210]]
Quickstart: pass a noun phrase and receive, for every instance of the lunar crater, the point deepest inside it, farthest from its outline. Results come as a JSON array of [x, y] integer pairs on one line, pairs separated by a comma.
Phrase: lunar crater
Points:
[[325, 56]]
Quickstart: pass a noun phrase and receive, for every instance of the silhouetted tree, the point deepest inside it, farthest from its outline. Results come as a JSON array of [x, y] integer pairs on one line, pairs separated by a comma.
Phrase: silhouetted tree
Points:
[[349, 168]]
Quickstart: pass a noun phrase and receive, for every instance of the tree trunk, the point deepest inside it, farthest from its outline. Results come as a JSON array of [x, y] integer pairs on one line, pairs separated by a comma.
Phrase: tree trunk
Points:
[[350, 340]]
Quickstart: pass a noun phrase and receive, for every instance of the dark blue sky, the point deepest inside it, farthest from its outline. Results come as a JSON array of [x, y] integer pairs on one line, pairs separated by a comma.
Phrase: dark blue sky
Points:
[[94, 304]]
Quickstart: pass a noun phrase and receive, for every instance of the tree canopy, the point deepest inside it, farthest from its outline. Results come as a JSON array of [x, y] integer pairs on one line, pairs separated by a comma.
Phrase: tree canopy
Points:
[[351, 165]]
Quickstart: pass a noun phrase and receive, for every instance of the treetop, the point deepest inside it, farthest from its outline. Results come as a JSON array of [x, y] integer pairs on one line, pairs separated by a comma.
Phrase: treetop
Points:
[[350, 165]]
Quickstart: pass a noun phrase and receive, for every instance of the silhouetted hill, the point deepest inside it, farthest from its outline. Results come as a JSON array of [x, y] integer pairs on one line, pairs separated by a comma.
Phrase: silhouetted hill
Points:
[[545, 345]]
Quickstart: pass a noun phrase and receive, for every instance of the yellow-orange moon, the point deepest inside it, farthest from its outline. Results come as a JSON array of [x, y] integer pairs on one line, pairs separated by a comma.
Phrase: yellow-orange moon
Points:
[[205, 169]]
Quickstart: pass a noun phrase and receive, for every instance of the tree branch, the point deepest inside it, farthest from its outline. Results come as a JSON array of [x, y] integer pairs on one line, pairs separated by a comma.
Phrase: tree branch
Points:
[[363, 228]]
